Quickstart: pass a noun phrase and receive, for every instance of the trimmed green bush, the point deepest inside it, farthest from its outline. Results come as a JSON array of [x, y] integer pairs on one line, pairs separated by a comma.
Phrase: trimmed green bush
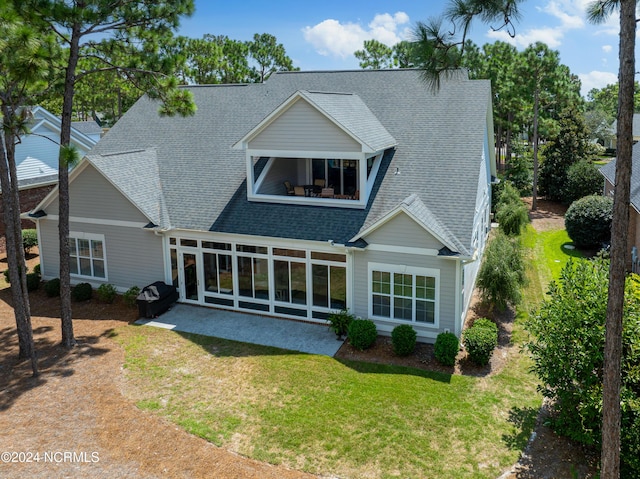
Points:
[[106, 293], [33, 281], [502, 272], [362, 333], [52, 287], [29, 240], [583, 179], [446, 348], [480, 340], [588, 221], [129, 297], [512, 217], [36, 270], [339, 322], [403, 338], [81, 292], [7, 278]]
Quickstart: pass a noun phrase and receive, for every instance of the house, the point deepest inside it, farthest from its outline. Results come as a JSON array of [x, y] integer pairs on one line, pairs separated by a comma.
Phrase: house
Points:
[[309, 193], [37, 157], [611, 144], [609, 173]]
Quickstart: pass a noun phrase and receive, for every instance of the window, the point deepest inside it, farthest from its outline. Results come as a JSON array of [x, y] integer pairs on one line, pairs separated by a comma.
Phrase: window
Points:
[[407, 295], [87, 255]]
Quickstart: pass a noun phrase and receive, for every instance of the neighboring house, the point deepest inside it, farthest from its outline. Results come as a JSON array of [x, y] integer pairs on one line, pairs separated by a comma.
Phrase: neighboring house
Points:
[[611, 144], [387, 213], [37, 157], [609, 173]]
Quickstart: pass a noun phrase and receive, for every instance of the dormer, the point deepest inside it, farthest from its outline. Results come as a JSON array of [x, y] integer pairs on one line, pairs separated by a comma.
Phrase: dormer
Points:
[[316, 148]]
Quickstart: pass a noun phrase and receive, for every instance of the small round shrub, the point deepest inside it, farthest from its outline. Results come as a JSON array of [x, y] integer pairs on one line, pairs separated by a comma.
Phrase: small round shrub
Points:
[[129, 297], [36, 270], [403, 338], [480, 340], [362, 333], [33, 281], [7, 278], [52, 288], [81, 292], [588, 221], [339, 322], [583, 179], [29, 240], [106, 293], [446, 348]]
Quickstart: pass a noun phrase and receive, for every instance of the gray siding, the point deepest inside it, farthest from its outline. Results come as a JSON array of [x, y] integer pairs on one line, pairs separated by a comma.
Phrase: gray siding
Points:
[[92, 196], [291, 169], [303, 128], [447, 299], [403, 231], [134, 256]]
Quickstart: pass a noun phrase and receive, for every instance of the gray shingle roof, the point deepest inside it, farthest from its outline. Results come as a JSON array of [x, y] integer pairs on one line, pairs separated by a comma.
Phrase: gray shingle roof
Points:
[[87, 127], [440, 139]]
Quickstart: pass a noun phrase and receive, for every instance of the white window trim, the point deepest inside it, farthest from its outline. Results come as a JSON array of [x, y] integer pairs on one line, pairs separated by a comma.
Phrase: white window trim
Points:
[[94, 237], [403, 269]]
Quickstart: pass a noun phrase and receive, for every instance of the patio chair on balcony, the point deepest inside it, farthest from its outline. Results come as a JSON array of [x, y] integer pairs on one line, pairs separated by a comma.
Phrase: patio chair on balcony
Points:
[[299, 190], [318, 184], [289, 187]]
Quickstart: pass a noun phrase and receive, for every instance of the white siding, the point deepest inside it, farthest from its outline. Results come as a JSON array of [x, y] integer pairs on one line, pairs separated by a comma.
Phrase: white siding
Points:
[[446, 298], [133, 256], [402, 230], [303, 128], [92, 196]]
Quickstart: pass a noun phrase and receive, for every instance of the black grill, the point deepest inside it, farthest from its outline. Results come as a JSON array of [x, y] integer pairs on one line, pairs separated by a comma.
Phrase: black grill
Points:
[[155, 299]]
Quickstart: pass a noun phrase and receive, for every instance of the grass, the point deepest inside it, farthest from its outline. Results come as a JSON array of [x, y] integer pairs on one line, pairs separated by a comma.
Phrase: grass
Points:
[[339, 418]]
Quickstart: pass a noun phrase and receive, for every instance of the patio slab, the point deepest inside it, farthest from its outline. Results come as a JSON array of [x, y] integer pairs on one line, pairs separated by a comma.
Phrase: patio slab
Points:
[[249, 328]]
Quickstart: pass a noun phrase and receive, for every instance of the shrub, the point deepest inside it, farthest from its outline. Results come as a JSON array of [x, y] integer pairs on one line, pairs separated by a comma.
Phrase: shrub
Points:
[[583, 179], [502, 272], [362, 333], [7, 278], [480, 340], [36, 270], [33, 281], [52, 288], [566, 344], [81, 292], [106, 293], [403, 338], [512, 217], [29, 240], [507, 194], [588, 221], [446, 348], [340, 321], [129, 297]]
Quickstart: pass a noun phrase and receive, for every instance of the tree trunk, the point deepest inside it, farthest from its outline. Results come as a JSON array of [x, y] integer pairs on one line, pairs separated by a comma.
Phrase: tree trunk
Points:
[[68, 340], [14, 249], [610, 459], [499, 148], [536, 102]]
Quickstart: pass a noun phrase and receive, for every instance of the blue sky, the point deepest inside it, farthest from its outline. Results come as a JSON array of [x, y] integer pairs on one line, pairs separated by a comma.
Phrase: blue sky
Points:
[[323, 34]]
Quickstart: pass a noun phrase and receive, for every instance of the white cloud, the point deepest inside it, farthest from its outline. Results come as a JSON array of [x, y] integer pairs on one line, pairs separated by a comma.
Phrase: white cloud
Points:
[[596, 79], [607, 48], [568, 12], [332, 38]]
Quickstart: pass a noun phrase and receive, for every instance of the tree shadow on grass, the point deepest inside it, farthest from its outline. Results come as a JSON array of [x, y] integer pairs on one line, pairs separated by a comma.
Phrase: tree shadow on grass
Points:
[[524, 421]]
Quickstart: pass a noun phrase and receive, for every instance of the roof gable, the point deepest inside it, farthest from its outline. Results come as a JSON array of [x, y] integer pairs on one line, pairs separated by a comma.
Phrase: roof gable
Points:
[[340, 114]]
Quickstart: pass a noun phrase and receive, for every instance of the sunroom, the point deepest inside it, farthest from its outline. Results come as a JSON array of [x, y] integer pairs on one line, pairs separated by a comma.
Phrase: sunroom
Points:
[[316, 148]]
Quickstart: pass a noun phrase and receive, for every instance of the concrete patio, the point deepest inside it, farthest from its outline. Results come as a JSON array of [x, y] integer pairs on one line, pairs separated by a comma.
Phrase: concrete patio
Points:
[[248, 328]]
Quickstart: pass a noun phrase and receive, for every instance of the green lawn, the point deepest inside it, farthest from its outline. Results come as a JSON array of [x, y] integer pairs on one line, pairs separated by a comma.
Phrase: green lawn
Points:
[[346, 419]]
